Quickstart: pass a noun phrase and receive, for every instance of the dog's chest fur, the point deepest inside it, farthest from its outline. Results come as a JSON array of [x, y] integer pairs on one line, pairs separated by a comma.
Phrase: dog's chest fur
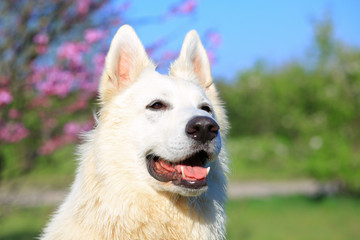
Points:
[[139, 215]]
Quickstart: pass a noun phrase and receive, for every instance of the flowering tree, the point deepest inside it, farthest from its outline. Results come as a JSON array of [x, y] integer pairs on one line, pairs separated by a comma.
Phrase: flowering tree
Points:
[[52, 54]]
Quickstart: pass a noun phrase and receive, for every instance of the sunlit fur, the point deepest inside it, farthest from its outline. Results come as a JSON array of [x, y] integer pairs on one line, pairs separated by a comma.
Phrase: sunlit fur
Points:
[[113, 195]]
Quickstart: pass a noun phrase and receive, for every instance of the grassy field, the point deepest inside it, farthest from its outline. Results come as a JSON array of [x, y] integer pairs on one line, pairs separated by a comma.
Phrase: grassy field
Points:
[[294, 218], [280, 218]]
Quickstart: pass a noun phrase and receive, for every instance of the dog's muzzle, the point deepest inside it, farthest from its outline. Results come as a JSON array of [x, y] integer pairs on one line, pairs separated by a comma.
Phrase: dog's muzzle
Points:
[[190, 172]]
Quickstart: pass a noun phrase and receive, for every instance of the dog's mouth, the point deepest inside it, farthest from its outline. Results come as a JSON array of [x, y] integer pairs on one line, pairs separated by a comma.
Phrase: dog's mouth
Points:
[[189, 173]]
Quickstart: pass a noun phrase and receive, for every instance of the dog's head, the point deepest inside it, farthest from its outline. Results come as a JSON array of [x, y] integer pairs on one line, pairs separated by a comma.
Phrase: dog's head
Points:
[[165, 130]]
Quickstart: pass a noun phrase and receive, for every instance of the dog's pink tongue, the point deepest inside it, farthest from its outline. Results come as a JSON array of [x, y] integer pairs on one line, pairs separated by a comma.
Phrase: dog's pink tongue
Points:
[[192, 172]]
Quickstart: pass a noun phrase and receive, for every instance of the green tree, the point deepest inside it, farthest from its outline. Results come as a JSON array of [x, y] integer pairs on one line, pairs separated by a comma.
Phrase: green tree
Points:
[[312, 104]]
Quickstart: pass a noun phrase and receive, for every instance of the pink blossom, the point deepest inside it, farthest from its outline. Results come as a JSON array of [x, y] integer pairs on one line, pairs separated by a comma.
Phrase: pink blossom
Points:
[[13, 132], [214, 38], [36, 75], [5, 97], [99, 62], [41, 49], [94, 35], [169, 55], [88, 125], [40, 101], [50, 123], [14, 113], [89, 86], [4, 80], [50, 146], [186, 7], [73, 52], [72, 129], [41, 39], [83, 6], [71, 132], [165, 58], [80, 104], [56, 82], [117, 21], [84, 80]]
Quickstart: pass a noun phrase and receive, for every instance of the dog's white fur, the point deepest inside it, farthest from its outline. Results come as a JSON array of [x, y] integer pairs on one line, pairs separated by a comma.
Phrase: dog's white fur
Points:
[[113, 195]]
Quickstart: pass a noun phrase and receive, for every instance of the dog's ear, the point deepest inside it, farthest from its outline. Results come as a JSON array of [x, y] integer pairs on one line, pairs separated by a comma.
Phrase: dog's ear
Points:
[[193, 63], [124, 62]]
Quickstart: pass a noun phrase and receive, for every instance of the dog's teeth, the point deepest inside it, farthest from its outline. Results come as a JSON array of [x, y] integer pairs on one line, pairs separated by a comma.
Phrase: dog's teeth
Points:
[[182, 171], [208, 170]]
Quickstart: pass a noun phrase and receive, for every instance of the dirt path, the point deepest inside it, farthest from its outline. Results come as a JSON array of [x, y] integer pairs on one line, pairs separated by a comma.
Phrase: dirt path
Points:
[[236, 190], [264, 189]]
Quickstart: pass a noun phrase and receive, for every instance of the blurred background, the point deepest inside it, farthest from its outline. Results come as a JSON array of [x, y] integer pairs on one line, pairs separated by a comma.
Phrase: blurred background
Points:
[[288, 72]]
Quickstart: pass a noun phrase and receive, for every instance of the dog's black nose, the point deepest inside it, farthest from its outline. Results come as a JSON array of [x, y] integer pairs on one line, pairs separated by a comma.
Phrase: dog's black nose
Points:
[[202, 129]]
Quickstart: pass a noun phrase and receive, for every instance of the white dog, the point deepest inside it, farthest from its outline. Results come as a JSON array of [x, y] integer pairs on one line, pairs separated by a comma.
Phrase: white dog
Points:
[[154, 166]]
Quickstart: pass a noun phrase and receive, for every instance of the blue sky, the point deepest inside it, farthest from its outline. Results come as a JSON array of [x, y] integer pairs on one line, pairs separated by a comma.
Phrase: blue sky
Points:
[[276, 31]]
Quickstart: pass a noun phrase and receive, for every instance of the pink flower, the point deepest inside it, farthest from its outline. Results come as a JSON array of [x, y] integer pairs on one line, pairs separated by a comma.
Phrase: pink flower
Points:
[[186, 7], [5, 97], [99, 62], [36, 74], [4, 80], [41, 39], [73, 52], [214, 38], [13, 132], [94, 35], [169, 55], [40, 101], [87, 126], [71, 132], [56, 82], [41, 49], [83, 6], [50, 123], [80, 104], [14, 113], [72, 128], [50, 146]]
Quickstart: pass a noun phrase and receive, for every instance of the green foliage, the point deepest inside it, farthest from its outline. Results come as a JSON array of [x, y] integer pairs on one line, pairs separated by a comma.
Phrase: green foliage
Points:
[[314, 109], [263, 157]]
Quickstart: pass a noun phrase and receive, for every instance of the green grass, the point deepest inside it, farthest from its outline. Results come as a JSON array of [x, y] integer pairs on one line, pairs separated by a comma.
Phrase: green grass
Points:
[[294, 218], [22, 223], [278, 218]]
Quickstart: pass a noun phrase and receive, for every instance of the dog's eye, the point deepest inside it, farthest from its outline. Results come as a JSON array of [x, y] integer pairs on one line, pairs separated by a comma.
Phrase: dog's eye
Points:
[[158, 105], [206, 108]]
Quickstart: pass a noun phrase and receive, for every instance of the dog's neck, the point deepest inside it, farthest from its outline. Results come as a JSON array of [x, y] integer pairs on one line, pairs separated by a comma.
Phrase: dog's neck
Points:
[[138, 213]]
